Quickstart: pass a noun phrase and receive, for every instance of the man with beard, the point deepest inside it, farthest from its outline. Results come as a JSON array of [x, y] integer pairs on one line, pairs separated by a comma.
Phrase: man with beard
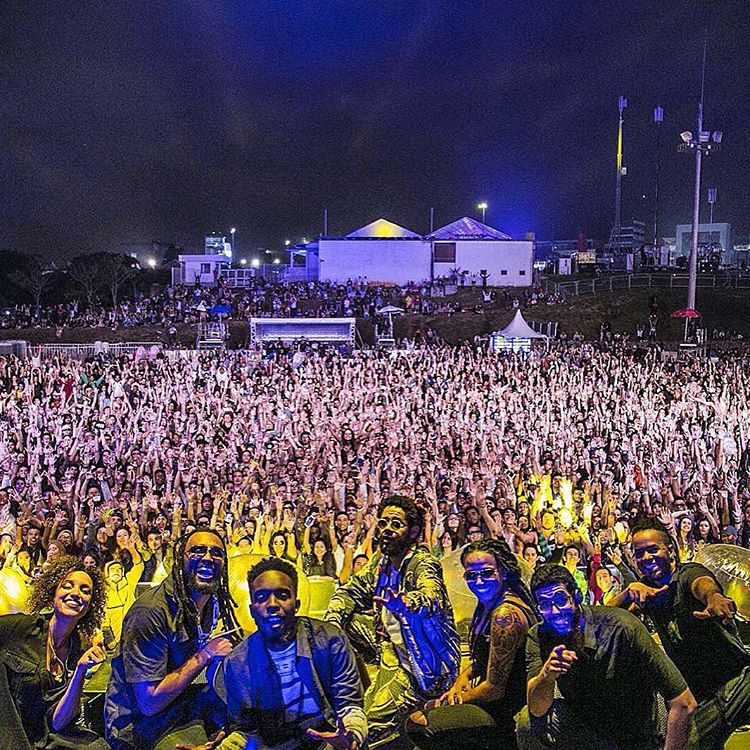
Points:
[[695, 623], [166, 645], [415, 634], [293, 683], [612, 679]]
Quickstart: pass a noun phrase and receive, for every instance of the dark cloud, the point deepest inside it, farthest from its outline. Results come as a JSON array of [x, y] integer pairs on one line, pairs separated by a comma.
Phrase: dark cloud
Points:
[[126, 122]]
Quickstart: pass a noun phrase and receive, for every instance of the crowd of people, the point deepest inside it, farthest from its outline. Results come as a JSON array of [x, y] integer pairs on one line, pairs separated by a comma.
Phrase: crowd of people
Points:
[[180, 304], [587, 474]]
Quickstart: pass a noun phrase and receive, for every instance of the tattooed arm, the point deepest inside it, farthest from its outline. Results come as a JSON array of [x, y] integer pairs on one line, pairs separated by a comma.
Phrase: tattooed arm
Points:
[[507, 636]]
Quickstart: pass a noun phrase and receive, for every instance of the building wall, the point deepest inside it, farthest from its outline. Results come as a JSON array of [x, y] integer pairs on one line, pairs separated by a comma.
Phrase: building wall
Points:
[[389, 260], [514, 258], [400, 261]]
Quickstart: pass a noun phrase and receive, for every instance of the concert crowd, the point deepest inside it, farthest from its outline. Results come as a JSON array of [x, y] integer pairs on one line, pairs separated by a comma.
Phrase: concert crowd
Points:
[[180, 304], [572, 491]]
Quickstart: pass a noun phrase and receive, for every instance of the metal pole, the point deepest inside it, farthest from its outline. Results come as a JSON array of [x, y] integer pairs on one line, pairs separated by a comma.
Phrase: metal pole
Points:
[[693, 265], [622, 103], [658, 119]]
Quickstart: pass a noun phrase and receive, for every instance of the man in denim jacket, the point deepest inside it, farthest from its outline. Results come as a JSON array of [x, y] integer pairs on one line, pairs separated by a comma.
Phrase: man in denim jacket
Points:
[[416, 634], [293, 684]]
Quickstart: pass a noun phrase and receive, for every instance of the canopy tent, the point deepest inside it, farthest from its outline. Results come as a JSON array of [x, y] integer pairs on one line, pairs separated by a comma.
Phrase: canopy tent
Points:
[[516, 336]]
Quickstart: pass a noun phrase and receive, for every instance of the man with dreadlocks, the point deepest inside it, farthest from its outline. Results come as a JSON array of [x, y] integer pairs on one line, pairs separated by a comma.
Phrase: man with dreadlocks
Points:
[[166, 644], [416, 634]]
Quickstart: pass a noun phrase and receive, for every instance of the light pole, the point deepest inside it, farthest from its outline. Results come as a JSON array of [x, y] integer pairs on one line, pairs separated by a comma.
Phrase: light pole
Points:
[[622, 103], [658, 119], [483, 208], [234, 249], [711, 200], [703, 141]]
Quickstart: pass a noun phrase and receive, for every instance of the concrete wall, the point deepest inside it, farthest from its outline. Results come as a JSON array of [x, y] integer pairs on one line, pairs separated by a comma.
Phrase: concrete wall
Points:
[[496, 256], [390, 260], [400, 261]]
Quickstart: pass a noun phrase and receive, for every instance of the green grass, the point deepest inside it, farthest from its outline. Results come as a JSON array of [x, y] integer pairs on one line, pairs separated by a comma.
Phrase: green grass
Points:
[[726, 309]]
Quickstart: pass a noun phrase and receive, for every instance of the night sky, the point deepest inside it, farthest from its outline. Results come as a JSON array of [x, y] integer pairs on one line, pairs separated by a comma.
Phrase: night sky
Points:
[[125, 122]]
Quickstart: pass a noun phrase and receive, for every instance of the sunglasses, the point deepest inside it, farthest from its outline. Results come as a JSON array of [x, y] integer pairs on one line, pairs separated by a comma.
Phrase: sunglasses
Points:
[[200, 550], [486, 574], [558, 602], [394, 523]]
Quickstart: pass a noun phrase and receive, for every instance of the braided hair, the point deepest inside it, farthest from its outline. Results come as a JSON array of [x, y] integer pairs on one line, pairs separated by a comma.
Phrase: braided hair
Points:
[[187, 612], [506, 563]]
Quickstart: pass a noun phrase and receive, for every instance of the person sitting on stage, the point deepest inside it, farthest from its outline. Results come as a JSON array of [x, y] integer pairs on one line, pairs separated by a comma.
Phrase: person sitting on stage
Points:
[[417, 637], [293, 683], [43, 659], [479, 709], [613, 679], [166, 644], [695, 623]]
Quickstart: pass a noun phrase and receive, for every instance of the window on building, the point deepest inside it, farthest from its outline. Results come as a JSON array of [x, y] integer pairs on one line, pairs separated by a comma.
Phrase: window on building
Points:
[[444, 252], [522, 273], [205, 268], [503, 272]]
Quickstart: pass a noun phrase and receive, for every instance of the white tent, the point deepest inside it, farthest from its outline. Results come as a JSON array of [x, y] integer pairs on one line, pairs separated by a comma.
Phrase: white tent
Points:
[[516, 336]]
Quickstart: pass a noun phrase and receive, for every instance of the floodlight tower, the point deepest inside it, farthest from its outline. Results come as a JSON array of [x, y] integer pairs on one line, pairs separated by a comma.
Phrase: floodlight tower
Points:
[[658, 120], [703, 141], [617, 229]]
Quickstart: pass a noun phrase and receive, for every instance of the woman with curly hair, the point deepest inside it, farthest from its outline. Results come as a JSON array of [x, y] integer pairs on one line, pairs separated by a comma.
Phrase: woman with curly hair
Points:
[[477, 711], [44, 658]]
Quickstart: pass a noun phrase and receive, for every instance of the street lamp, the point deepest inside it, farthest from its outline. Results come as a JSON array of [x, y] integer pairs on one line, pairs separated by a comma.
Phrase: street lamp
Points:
[[151, 262], [703, 142], [232, 231], [483, 208]]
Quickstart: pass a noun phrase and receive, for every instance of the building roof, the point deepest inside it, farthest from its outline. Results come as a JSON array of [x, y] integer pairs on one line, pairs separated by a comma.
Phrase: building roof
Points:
[[518, 328], [468, 229], [382, 228]]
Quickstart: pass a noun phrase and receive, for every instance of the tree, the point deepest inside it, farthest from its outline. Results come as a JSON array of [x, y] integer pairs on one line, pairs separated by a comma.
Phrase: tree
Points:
[[116, 270], [85, 270], [34, 277]]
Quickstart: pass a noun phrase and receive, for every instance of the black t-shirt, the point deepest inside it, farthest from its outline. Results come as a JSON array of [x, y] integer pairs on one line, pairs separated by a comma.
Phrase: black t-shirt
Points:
[[153, 644], [612, 687], [707, 653]]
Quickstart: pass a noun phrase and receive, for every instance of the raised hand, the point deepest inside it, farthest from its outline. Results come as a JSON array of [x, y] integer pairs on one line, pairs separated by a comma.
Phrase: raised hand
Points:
[[558, 662], [719, 606], [340, 739], [393, 601]]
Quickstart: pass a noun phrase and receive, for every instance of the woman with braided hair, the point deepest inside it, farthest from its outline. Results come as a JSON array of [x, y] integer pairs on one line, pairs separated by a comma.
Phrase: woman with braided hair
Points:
[[477, 712]]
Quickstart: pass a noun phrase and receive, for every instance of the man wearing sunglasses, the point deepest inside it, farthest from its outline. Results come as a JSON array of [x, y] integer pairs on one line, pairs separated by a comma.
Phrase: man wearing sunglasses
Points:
[[166, 645], [617, 689], [415, 634]]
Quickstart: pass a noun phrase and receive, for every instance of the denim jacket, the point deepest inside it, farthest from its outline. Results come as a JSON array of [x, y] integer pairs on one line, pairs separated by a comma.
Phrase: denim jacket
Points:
[[249, 685], [429, 632]]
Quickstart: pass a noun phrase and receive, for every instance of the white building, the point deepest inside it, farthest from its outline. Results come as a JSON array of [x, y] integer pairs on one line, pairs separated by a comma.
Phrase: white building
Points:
[[386, 252], [199, 269]]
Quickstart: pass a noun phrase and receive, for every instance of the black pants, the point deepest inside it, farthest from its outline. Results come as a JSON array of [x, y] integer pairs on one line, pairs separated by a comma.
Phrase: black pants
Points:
[[465, 727]]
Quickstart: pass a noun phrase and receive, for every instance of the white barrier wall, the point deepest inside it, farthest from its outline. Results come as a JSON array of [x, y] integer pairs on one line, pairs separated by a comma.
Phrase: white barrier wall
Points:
[[391, 260], [508, 262], [398, 261]]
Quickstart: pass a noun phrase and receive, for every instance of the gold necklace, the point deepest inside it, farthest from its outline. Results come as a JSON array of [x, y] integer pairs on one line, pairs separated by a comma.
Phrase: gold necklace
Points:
[[56, 665]]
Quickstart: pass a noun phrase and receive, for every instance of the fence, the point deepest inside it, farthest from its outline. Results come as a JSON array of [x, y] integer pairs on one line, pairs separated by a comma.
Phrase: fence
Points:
[[618, 283], [80, 351]]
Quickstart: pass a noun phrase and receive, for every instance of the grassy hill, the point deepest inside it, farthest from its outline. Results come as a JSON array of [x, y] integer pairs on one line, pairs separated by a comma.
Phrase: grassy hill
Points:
[[723, 309]]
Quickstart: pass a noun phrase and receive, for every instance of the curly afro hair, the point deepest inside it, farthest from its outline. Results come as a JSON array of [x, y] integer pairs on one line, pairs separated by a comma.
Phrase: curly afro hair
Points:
[[43, 590]]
